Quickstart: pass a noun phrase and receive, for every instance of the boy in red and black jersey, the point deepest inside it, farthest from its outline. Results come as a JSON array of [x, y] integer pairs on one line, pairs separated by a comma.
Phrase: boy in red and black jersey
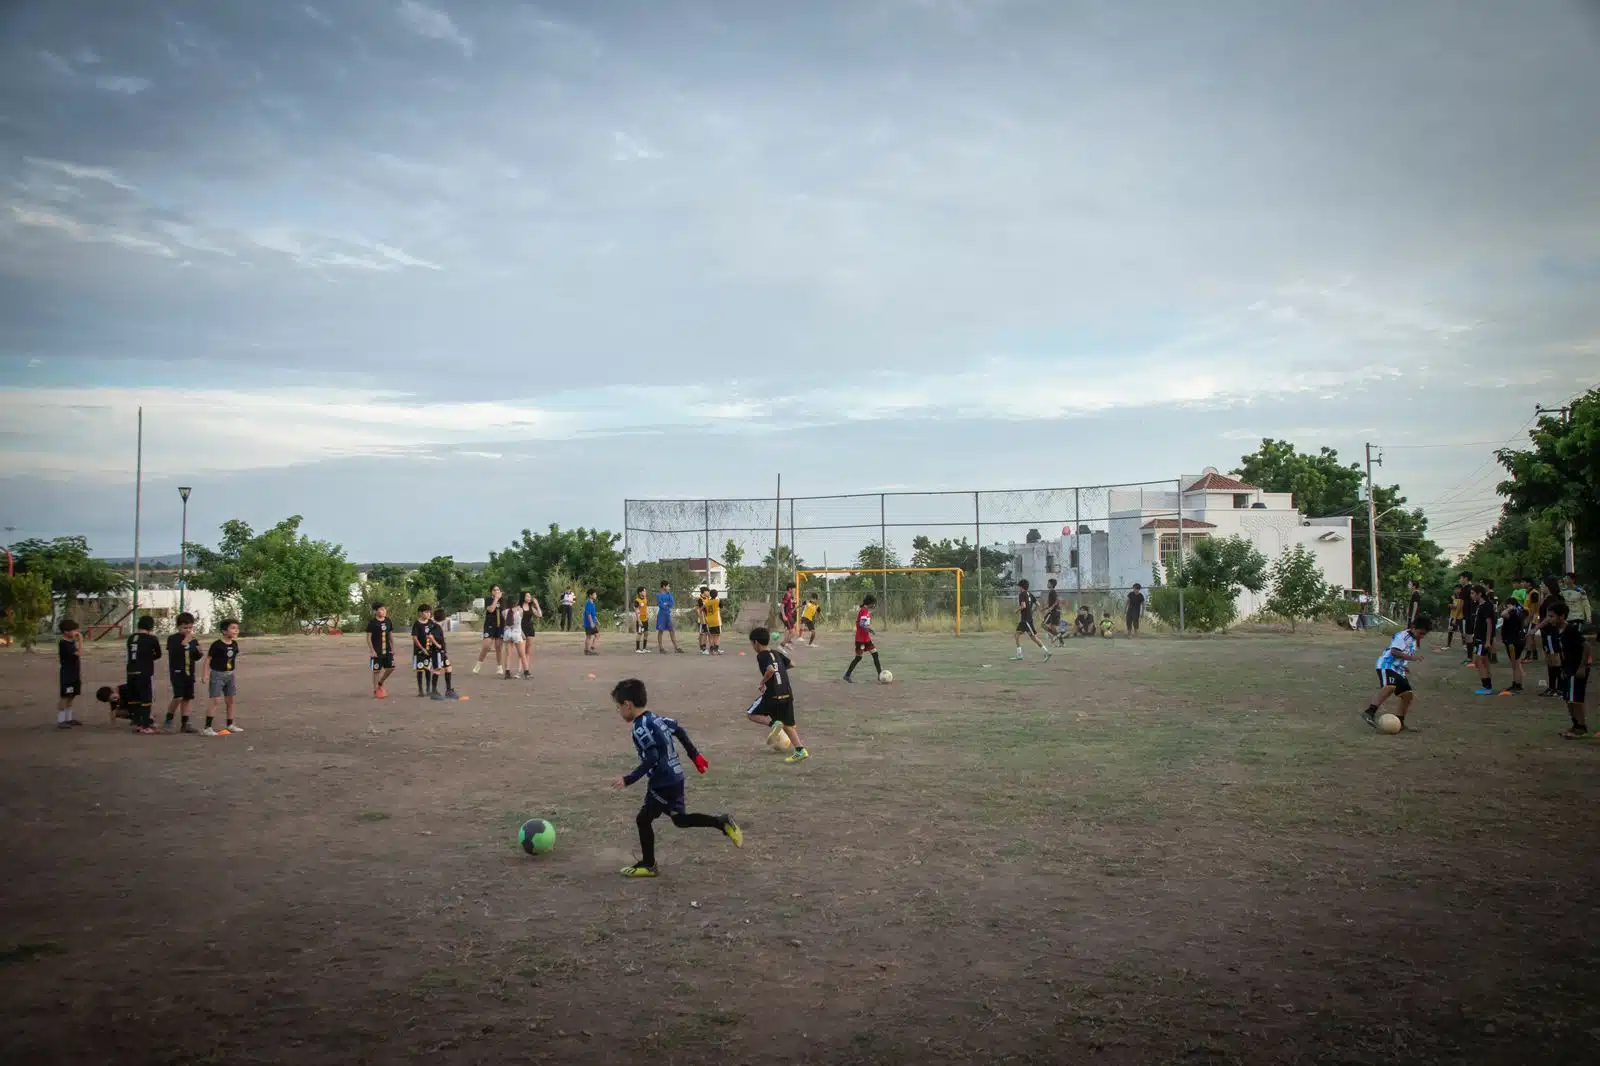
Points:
[[864, 634]]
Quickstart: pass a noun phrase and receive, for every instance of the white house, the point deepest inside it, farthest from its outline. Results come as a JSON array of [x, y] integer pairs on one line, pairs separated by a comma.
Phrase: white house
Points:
[[710, 573], [1143, 528]]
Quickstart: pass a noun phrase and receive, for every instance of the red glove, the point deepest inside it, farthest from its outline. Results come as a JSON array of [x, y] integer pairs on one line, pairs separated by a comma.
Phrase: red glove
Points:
[[700, 763]]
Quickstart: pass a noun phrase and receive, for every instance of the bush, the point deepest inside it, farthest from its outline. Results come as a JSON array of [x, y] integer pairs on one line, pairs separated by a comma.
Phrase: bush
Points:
[[25, 603], [1204, 610]]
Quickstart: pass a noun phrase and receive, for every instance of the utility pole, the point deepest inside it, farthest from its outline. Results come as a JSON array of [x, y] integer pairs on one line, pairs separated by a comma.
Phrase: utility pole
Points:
[[1372, 532], [1570, 561]]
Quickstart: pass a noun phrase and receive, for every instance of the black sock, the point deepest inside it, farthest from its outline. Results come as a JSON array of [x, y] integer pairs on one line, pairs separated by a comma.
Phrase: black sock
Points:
[[209, 720], [1553, 678], [697, 821], [876, 665], [1372, 708], [420, 683], [168, 719], [186, 721], [647, 840], [853, 664], [449, 686], [1488, 682]]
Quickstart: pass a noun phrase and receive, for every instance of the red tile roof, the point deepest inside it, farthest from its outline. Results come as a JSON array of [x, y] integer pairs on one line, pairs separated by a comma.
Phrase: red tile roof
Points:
[[1220, 483], [1172, 523]]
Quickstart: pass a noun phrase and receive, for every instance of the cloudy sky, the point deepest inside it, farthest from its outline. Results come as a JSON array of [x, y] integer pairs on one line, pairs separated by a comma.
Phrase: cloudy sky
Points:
[[428, 273]]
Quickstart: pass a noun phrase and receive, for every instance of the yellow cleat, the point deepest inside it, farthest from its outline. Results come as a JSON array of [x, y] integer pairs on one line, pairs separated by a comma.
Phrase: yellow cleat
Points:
[[639, 871], [731, 828], [798, 755]]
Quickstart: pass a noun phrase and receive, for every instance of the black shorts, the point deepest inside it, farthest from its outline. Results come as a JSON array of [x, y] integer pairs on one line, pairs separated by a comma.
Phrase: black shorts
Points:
[[808, 624], [789, 621], [1552, 643], [71, 687], [668, 799], [141, 690], [1053, 618], [593, 631], [383, 662], [438, 660], [1514, 646], [1132, 619], [777, 708], [865, 647], [182, 686], [1026, 626], [1395, 680], [713, 631], [1477, 648], [1573, 689], [491, 634], [641, 626]]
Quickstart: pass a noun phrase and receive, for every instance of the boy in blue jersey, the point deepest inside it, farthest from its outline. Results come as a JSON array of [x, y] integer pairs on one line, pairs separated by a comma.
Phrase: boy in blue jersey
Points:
[[664, 627], [1392, 680], [658, 761], [591, 624]]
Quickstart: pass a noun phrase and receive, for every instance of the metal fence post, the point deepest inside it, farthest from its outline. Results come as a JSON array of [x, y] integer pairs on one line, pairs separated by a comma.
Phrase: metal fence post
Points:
[[883, 548], [977, 532]]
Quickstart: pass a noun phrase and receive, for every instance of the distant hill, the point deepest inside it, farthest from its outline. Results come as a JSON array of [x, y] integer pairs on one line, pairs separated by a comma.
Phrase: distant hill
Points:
[[170, 561]]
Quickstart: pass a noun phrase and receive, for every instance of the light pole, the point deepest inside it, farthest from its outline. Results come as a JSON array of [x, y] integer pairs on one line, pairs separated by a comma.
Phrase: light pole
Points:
[[183, 556]]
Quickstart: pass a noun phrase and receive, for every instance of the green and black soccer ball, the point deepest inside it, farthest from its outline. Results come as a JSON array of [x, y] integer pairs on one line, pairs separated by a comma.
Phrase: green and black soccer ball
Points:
[[537, 836]]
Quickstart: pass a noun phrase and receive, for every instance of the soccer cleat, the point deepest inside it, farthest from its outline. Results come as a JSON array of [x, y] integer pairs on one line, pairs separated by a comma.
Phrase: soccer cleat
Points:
[[187, 728], [798, 755], [452, 694], [1484, 692], [731, 829], [1017, 658], [476, 667], [849, 680], [231, 728], [1370, 717], [437, 696], [638, 870], [63, 725], [209, 732], [73, 722], [1576, 734], [1046, 654]]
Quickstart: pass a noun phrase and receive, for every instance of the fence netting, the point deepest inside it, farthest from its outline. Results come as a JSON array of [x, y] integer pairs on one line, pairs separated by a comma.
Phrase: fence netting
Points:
[[1094, 541]]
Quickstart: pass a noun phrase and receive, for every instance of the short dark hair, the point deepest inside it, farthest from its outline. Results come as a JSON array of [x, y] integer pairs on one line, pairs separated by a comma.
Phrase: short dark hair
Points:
[[1051, 582], [760, 635], [1137, 585], [1421, 621], [590, 592], [641, 588], [146, 622], [1414, 583], [185, 619], [1022, 584], [868, 600], [377, 606], [1488, 582], [68, 626], [712, 593], [1573, 574], [103, 693], [424, 607], [226, 624], [790, 585], [1480, 590], [1466, 574], [1560, 609], [630, 690], [664, 584]]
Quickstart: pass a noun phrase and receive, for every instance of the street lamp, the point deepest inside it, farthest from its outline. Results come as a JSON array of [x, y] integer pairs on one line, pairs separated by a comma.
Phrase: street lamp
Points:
[[183, 556]]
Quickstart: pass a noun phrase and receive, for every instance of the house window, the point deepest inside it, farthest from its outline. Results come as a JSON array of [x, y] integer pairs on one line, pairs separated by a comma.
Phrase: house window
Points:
[[1073, 559], [1149, 547], [1241, 501], [1170, 551], [1049, 563]]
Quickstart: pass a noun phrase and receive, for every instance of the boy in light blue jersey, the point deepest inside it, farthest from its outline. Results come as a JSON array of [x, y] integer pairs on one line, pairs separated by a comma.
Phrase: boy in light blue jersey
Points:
[[653, 738], [1392, 665]]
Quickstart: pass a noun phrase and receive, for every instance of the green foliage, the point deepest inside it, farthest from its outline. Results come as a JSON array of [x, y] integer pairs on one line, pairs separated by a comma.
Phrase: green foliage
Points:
[[1202, 610], [281, 578], [732, 555], [400, 598], [1558, 478], [590, 555], [557, 581], [1226, 564], [1298, 588], [454, 587], [25, 603], [66, 565], [387, 574], [961, 553], [1324, 487], [1519, 545]]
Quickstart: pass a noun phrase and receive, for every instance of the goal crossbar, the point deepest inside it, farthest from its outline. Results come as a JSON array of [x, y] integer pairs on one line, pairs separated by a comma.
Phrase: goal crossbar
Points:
[[851, 571]]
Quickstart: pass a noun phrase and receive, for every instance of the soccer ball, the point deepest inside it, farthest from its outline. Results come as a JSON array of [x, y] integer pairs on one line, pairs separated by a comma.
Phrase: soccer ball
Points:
[[537, 836], [780, 742], [885, 677], [1389, 723]]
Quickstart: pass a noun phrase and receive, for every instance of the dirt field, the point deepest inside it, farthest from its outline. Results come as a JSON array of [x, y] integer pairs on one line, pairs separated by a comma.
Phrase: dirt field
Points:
[[1160, 851]]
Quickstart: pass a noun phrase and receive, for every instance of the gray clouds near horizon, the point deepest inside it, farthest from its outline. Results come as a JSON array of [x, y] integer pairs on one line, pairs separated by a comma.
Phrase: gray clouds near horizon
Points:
[[354, 256]]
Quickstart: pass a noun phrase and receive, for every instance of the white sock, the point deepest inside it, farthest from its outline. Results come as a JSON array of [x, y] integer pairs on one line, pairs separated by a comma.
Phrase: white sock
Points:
[[62, 716]]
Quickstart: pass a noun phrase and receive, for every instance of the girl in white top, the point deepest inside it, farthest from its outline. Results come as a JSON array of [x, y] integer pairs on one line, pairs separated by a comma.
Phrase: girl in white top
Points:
[[511, 639]]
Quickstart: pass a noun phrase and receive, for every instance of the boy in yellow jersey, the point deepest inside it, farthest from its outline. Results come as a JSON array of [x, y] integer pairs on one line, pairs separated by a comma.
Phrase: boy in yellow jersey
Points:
[[808, 619], [713, 623], [641, 622]]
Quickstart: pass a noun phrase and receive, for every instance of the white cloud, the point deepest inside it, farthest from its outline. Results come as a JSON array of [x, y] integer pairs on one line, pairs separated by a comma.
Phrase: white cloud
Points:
[[86, 56], [626, 148], [400, 256], [436, 25], [37, 218], [316, 15], [78, 170], [116, 83], [56, 63]]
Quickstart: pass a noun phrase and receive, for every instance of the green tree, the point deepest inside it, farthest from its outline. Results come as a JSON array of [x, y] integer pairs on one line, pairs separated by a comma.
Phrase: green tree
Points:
[[66, 565], [1558, 477], [732, 555], [590, 555], [26, 601], [1519, 545], [281, 578], [387, 574], [454, 587], [401, 599], [1298, 588], [1223, 564], [1323, 487]]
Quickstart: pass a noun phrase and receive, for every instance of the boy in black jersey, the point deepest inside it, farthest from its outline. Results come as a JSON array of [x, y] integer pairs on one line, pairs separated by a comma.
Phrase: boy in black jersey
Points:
[[1514, 635], [1052, 612], [422, 647], [183, 651], [221, 683], [1576, 660], [1025, 605], [774, 704], [440, 663], [117, 699], [143, 651], [493, 628], [69, 649], [1481, 627], [380, 646]]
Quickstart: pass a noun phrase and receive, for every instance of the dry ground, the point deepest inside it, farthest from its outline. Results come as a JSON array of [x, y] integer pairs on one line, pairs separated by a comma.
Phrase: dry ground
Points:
[[1160, 851]]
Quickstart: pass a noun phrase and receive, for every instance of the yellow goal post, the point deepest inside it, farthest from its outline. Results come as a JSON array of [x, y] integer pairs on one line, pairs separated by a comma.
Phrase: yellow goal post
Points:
[[855, 571]]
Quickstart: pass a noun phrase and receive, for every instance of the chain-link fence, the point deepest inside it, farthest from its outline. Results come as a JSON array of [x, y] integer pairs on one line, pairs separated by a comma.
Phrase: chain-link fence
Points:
[[1094, 541]]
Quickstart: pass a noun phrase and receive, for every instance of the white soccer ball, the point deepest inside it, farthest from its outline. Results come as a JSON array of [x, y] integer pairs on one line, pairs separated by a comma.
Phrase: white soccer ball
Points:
[[1390, 723], [885, 677]]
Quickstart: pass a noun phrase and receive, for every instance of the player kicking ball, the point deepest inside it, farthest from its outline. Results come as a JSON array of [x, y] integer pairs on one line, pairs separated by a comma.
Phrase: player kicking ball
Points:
[[774, 704], [1391, 666]]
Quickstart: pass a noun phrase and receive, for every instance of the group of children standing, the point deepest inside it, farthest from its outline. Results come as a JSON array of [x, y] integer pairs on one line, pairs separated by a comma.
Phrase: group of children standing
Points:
[[134, 699]]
